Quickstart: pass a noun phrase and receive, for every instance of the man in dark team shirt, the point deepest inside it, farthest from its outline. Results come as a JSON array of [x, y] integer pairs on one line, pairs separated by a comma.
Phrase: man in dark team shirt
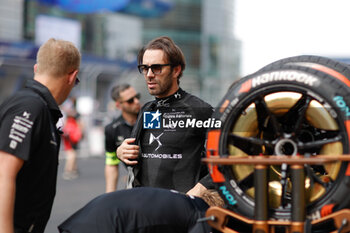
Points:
[[143, 210], [127, 101], [171, 131], [30, 142]]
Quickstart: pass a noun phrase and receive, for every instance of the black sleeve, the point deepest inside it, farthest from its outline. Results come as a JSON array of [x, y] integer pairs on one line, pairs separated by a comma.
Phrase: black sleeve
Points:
[[109, 140], [207, 182], [20, 124], [137, 129]]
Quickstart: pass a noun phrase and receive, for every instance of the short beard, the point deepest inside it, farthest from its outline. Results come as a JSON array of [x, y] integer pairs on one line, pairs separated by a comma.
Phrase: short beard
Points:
[[163, 90]]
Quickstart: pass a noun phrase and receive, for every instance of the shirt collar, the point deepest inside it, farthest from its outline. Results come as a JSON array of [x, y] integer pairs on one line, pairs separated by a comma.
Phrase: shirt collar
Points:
[[123, 121], [44, 92], [165, 102]]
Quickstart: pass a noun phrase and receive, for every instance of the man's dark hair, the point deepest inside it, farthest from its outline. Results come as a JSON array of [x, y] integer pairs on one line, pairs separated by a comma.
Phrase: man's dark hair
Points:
[[173, 53], [212, 198], [116, 90]]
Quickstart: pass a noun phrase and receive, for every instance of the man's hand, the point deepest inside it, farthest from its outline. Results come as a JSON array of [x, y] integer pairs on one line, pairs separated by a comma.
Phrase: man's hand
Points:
[[128, 152], [197, 190]]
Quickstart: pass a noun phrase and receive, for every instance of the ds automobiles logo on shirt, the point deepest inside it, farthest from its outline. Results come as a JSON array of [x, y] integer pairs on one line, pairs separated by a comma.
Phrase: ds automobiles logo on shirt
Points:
[[151, 120]]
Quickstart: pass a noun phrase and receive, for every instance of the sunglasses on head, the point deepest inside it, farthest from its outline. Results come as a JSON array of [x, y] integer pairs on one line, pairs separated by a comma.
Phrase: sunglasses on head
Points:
[[77, 81], [156, 68], [132, 99]]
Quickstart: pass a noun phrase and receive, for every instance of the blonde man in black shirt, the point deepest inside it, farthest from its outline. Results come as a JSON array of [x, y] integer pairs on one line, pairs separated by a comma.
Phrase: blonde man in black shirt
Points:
[[30, 142]]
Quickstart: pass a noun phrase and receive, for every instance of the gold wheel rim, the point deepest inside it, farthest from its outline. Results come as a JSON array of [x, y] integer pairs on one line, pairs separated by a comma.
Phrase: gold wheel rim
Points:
[[279, 103]]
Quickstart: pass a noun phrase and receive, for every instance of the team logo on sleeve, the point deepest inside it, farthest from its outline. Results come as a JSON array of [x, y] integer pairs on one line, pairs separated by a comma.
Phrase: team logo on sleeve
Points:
[[21, 125], [151, 120]]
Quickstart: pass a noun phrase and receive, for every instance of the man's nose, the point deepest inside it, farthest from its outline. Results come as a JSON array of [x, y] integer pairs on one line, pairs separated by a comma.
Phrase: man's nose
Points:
[[150, 72]]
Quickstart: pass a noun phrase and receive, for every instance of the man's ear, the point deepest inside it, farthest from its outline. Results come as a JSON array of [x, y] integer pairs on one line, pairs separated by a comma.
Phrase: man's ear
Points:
[[35, 68], [118, 105], [177, 70], [72, 75]]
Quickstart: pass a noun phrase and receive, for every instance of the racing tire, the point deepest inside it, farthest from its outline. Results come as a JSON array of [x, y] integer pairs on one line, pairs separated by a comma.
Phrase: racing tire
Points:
[[284, 109]]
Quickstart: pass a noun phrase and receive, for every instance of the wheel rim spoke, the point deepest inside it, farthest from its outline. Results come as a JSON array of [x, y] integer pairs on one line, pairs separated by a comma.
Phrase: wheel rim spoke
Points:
[[264, 113], [247, 182], [315, 178], [249, 145], [296, 114], [318, 143]]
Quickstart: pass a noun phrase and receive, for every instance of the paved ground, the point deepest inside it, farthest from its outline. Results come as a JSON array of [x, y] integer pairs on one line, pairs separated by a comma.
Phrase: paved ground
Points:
[[74, 194]]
